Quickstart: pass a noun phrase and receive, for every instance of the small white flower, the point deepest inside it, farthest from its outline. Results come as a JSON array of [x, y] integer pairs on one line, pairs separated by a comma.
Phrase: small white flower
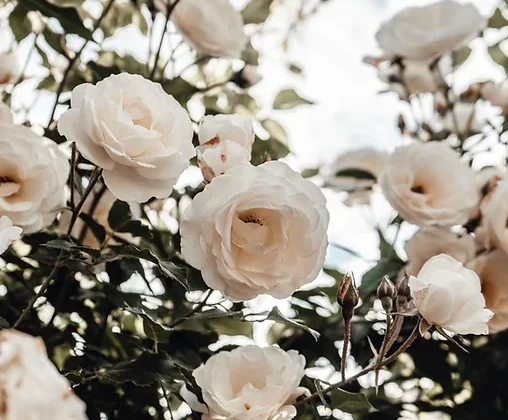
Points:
[[8, 233], [33, 174], [225, 141], [136, 132], [356, 172], [431, 241], [494, 210], [492, 268], [32, 387], [9, 67], [256, 230], [211, 27], [429, 185], [449, 296], [424, 33], [249, 383]]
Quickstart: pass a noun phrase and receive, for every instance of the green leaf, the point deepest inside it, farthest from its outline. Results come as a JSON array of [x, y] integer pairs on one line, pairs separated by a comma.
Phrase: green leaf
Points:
[[288, 99], [350, 402], [497, 55], [147, 369], [180, 88], [497, 20], [372, 278], [295, 69], [250, 55], [256, 11], [277, 316], [68, 17], [460, 56], [153, 330], [65, 245], [120, 219], [310, 172], [355, 173], [97, 229], [276, 146], [19, 23]]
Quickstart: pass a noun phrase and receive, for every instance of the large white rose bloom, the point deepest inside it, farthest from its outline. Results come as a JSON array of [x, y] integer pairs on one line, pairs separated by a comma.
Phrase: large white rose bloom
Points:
[[8, 233], [32, 388], [257, 230], [9, 67], [494, 210], [340, 175], [431, 241], [211, 27], [492, 268], [33, 174], [249, 383], [449, 296], [225, 141], [136, 132], [424, 33], [429, 185]]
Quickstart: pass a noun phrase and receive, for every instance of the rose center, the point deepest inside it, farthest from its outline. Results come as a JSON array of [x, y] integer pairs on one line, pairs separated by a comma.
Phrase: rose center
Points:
[[418, 189], [8, 186], [252, 218]]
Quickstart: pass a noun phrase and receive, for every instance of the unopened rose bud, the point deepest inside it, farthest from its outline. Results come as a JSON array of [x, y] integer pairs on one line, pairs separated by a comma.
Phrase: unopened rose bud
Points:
[[347, 296], [247, 77], [386, 293], [403, 293]]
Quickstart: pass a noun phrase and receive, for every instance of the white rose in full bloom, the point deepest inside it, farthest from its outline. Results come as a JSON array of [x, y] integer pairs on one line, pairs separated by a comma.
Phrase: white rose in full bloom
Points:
[[366, 163], [429, 185], [431, 241], [138, 134], [33, 174], [257, 230], [8, 233], [211, 27], [32, 388], [9, 67], [424, 33], [249, 383], [448, 295], [225, 141], [492, 268], [494, 210], [100, 215]]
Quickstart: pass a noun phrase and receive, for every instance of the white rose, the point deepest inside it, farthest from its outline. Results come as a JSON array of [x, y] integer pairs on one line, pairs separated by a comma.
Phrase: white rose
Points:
[[249, 383], [100, 215], [33, 174], [5, 114], [136, 132], [257, 230], [9, 67], [225, 141], [424, 33], [494, 210], [431, 241], [356, 172], [211, 27], [8, 233], [32, 387], [492, 268], [429, 185], [449, 296]]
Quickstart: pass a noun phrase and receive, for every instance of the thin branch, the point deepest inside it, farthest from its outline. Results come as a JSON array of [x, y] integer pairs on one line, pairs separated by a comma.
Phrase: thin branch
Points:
[[74, 161], [73, 60], [347, 335], [198, 307]]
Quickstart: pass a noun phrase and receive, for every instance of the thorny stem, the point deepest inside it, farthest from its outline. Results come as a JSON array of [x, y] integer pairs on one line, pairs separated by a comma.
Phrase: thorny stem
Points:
[[157, 55], [367, 369], [75, 213], [95, 202], [198, 307], [73, 60], [347, 335]]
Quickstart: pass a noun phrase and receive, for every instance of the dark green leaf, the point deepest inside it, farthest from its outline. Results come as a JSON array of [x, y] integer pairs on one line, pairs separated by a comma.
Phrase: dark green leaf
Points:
[[256, 11], [355, 173], [350, 402], [179, 88], [497, 20], [97, 230], [310, 172], [371, 279], [277, 316], [153, 330], [19, 23], [288, 99], [120, 219]]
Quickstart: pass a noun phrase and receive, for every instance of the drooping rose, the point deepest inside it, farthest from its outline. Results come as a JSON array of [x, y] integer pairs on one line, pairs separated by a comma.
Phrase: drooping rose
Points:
[[9, 67], [429, 185], [33, 173], [225, 141], [448, 295], [256, 230], [356, 172], [431, 241], [249, 383], [424, 33], [492, 268], [211, 27], [8, 233], [138, 134], [494, 211], [31, 386]]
